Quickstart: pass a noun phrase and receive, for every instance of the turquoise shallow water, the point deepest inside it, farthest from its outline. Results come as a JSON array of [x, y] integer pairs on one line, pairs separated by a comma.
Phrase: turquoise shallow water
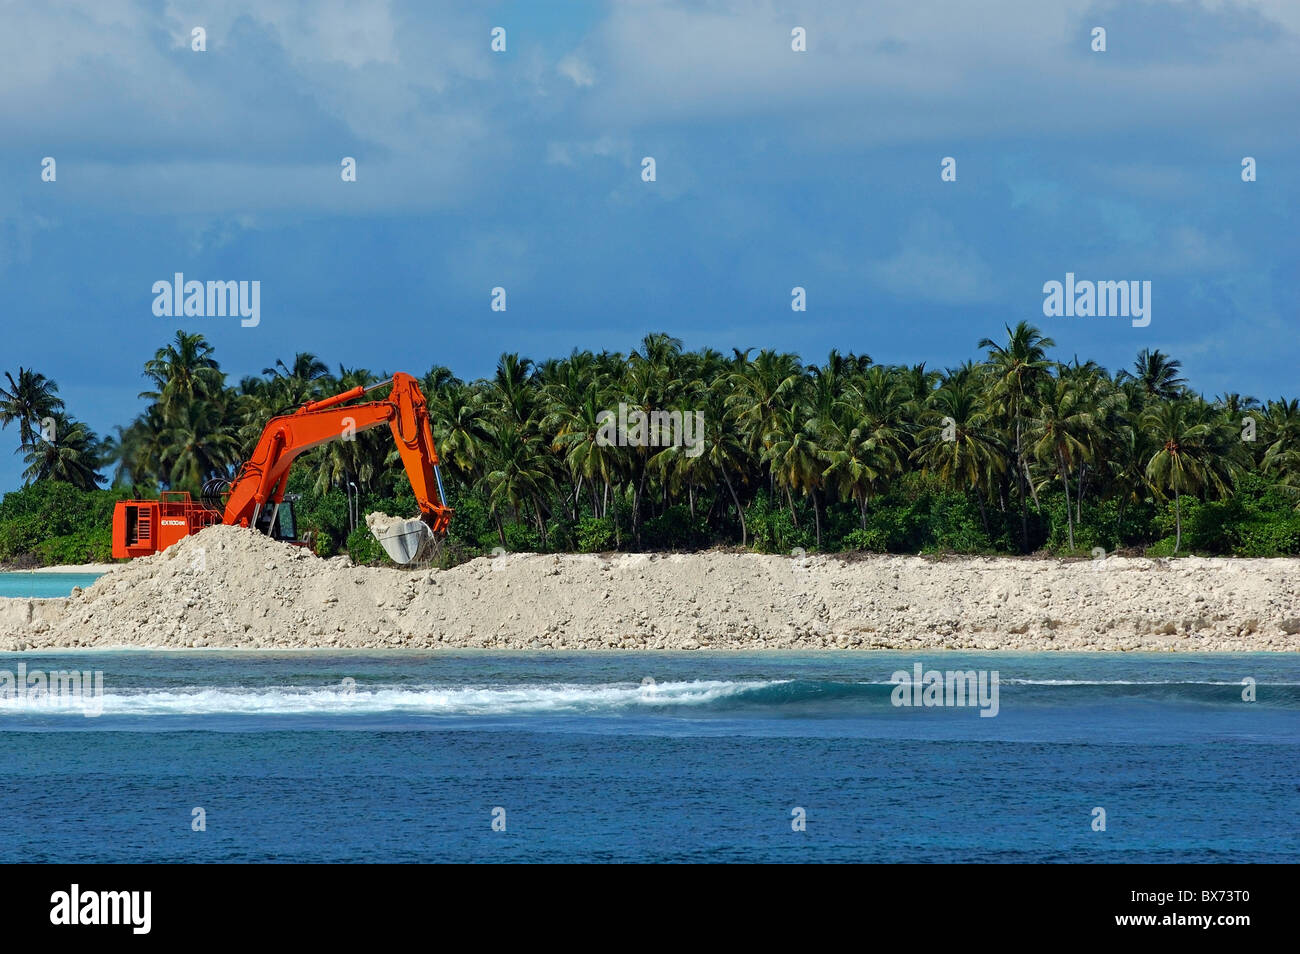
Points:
[[25, 584], [405, 756]]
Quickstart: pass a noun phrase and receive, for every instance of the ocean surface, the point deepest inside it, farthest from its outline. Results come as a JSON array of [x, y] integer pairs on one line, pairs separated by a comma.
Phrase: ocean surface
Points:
[[27, 584], [635, 756]]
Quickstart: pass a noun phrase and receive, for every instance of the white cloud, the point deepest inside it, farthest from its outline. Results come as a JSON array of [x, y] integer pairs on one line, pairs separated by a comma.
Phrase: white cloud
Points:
[[576, 70], [568, 153], [916, 70], [934, 265]]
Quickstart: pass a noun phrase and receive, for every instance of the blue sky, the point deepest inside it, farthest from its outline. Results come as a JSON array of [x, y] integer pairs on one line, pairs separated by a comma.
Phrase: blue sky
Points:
[[523, 170]]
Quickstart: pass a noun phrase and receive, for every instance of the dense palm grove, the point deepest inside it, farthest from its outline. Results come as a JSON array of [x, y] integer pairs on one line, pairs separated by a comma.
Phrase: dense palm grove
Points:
[[1015, 452]]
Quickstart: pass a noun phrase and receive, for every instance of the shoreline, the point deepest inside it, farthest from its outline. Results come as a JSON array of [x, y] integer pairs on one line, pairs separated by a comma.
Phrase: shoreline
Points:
[[227, 588], [373, 651], [100, 568]]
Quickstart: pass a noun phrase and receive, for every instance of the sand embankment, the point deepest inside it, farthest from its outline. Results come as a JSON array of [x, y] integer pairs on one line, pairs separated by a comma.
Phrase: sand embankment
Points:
[[228, 587]]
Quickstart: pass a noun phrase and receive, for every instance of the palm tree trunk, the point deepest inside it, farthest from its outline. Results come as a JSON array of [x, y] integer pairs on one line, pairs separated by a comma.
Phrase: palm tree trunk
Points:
[[1178, 522], [541, 521], [1078, 497], [1033, 492], [1065, 482], [817, 518], [740, 511], [1020, 480], [636, 506]]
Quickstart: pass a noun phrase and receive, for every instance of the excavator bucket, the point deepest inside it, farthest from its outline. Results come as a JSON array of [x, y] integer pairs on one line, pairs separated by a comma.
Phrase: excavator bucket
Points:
[[405, 541]]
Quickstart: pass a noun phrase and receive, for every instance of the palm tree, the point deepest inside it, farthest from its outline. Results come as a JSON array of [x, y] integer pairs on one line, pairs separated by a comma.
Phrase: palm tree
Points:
[[1128, 454], [1234, 403], [651, 382], [1018, 368], [200, 443], [1061, 432], [959, 444], [520, 477], [141, 448], [867, 436], [760, 391], [514, 394], [1156, 375], [69, 455], [1280, 423], [28, 401], [359, 457], [856, 465], [183, 371], [462, 430], [1194, 453], [724, 451], [300, 382], [795, 459], [589, 461], [1107, 406]]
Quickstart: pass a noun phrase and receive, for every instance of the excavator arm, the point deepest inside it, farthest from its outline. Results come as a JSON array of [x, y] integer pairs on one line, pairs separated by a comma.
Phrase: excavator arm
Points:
[[263, 477]]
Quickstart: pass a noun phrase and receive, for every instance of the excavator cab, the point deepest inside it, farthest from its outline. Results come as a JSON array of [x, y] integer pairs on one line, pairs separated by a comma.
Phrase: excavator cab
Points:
[[277, 520]]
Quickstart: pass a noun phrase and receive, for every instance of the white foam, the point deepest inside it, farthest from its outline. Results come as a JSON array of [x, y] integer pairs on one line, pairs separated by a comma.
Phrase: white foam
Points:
[[431, 700]]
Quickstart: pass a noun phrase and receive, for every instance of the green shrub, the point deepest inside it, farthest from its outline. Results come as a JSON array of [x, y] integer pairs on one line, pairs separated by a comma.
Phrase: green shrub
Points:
[[35, 516], [1278, 538], [595, 534], [772, 528], [522, 538], [472, 528], [323, 544], [20, 536], [874, 540], [1163, 548], [84, 546], [675, 529], [364, 549]]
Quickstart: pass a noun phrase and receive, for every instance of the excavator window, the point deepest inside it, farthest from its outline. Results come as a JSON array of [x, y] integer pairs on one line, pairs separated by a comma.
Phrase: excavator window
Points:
[[284, 522], [284, 525]]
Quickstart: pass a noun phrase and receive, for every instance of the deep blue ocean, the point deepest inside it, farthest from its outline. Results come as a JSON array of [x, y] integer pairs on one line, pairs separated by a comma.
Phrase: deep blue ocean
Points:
[[411, 756]]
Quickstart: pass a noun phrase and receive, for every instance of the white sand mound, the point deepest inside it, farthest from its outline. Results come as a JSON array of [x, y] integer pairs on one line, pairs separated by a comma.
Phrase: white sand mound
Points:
[[229, 587]]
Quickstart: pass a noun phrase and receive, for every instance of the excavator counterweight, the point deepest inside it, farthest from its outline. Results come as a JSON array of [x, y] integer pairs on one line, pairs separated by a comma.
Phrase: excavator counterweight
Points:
[[257, 494]]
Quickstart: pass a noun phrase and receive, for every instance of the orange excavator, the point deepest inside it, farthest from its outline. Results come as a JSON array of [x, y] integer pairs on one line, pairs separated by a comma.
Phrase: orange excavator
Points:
[[256, 497]]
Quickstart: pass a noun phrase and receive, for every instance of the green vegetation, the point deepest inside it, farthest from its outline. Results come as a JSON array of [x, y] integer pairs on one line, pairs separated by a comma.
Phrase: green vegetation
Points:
[[51, 522], [1013, 453]]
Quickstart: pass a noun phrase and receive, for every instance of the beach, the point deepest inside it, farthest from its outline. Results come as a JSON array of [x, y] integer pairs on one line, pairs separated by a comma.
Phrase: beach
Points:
[[235, 589], [62, 568]]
